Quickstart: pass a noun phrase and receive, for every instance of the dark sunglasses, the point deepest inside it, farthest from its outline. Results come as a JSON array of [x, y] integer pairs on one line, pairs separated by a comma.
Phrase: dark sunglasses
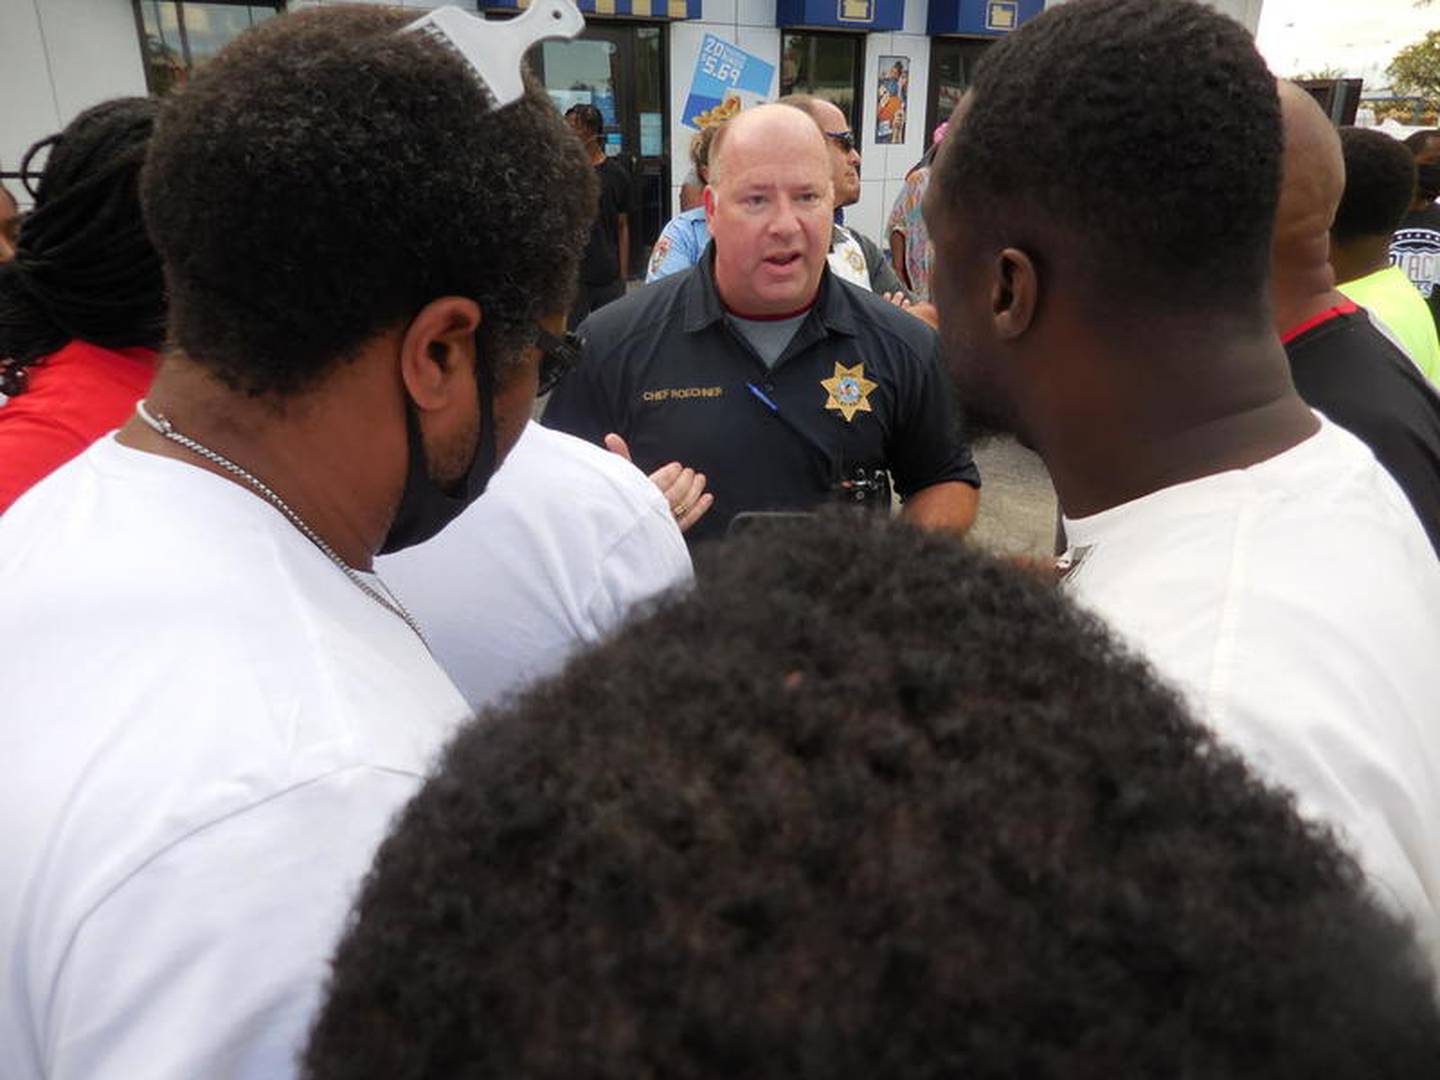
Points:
[[843, 139], [558, 356]]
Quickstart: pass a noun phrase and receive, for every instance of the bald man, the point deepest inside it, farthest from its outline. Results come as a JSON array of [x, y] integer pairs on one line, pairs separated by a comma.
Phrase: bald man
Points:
[[785, 385], [1341, 362], [853, 255]]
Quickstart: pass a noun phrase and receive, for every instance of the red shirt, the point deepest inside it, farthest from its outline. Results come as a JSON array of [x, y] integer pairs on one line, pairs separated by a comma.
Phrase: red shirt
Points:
[[74, 396]]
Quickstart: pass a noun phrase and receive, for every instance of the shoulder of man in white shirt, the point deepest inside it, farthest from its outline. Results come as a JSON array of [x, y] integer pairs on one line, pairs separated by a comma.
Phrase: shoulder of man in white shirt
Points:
[[568, 539], [220, 745], [1294, 604]]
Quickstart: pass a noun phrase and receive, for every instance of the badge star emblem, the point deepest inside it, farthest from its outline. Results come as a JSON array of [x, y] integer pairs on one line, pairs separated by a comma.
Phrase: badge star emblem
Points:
[[849, 390]]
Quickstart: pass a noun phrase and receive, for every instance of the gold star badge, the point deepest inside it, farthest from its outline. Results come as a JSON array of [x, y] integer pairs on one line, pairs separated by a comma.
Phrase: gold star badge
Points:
[[849, 390]]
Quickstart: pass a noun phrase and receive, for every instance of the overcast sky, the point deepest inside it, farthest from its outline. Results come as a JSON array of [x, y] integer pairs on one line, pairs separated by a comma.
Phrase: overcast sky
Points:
[[1358, 36]]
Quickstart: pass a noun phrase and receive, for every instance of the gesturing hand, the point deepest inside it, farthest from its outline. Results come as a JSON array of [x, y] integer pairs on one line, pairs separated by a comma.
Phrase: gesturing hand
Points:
[[921, 309], [683, 488]]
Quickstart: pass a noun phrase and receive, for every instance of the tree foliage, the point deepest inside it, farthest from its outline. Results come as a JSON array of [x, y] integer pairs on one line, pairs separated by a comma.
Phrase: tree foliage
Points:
[[1325, 74], [1416, 68]]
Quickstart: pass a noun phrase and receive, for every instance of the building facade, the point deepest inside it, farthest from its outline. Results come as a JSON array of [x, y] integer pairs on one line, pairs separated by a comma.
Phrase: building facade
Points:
[[657, 70]]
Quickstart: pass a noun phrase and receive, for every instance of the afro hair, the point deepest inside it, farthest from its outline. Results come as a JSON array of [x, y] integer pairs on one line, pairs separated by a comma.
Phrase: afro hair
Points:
[[1379, 185], [1148, 129], [864, 804], [326, 176]]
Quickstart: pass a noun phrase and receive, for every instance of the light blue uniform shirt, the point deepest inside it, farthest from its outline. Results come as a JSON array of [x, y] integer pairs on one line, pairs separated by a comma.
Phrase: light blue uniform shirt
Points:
[[680, 244]]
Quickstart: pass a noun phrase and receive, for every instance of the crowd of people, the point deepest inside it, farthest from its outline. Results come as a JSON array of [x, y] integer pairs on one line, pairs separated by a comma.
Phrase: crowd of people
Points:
[[362, 725]]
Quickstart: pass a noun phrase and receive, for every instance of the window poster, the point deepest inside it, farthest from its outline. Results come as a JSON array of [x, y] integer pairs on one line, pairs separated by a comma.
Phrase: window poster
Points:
[[892, 95], [726, 80]]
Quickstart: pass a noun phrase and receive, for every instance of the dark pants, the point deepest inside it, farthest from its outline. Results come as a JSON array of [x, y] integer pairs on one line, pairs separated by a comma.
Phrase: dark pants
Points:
[[592, 297]]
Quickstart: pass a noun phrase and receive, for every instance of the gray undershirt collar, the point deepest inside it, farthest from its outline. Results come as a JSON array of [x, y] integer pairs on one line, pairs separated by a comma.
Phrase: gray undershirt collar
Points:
[[768, 337]]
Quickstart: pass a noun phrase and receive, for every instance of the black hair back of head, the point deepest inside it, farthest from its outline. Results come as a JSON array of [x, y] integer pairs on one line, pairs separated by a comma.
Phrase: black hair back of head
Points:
[[1416, 141], [326, 176], [84, 266], [1148, 129], [865, 804], [1379, 184], [590, 117]]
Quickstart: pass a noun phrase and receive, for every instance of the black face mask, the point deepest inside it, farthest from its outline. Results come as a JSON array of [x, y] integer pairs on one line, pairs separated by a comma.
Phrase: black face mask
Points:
[[425, 507]]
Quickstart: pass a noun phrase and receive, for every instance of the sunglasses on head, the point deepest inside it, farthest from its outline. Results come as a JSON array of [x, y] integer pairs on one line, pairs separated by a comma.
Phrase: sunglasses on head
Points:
[[843, 139], [558, 356]]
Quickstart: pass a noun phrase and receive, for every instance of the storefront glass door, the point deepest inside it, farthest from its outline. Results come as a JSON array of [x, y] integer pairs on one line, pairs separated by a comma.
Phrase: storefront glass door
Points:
[[620, 68], [952, 66], [177, 36], [825, 66]]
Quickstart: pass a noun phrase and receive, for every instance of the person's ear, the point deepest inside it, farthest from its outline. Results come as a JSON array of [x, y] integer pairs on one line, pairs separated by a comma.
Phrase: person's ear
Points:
[[1014, 293], [707, 197], [437, 352]]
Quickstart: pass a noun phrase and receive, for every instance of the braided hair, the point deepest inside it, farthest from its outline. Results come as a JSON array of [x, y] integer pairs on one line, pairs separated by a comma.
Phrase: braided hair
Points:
[[84, 266]]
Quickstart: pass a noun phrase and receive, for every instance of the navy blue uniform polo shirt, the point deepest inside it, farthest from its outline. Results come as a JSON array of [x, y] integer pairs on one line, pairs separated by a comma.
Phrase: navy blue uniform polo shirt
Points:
[[859, 385]]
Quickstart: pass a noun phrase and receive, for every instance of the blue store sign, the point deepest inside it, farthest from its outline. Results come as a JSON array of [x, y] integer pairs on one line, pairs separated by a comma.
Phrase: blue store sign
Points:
[[841, 14], [981, 18]]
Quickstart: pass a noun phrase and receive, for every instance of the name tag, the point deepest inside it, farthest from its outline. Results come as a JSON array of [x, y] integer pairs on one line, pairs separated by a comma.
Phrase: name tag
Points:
[[679, 393]]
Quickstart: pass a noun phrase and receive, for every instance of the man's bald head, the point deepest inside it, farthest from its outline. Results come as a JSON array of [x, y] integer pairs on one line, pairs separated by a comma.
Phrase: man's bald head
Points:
[[766, 130], [1313, 181], [844, 155]]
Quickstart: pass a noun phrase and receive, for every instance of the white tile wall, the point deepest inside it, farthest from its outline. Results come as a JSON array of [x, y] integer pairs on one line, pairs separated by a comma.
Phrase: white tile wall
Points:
[[721, 12], [884, 167], [754, 13], [764, 42], [61, 57], [31, 112], [916, 14]]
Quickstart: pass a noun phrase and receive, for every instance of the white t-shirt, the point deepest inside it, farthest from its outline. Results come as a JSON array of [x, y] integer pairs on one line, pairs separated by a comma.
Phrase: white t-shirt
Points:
[[1296, 604], [566, 540], [207, 729]]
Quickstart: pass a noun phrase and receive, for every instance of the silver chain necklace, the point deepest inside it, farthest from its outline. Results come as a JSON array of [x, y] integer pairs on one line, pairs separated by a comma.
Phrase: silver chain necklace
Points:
[[163, 426]]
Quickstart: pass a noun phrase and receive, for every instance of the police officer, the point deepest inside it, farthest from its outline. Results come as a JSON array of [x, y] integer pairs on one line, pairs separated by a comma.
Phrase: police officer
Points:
[[853, 256], [786, 386]]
